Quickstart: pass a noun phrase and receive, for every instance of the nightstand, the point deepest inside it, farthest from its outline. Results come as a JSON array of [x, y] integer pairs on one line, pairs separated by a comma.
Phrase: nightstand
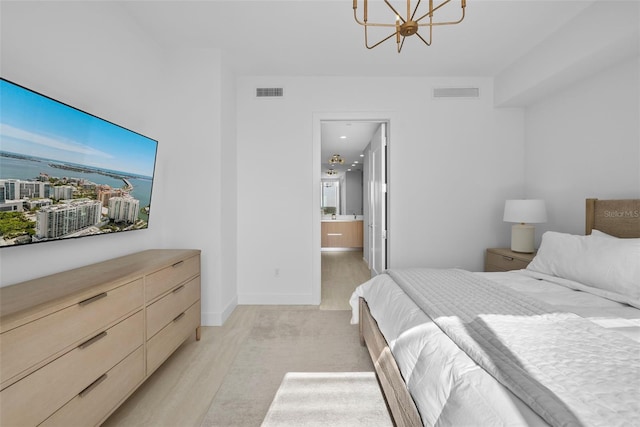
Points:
[[504, 259]]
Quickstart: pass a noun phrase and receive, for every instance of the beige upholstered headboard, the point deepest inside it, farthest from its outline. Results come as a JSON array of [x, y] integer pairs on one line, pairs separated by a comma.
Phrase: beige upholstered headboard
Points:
[[619, 218]]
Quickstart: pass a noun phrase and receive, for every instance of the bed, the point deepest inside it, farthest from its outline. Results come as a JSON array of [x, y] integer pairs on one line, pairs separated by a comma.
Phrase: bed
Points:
[[559, 345]]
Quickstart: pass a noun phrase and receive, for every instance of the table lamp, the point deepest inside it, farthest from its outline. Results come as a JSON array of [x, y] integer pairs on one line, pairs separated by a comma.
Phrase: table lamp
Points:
[[524, 213]]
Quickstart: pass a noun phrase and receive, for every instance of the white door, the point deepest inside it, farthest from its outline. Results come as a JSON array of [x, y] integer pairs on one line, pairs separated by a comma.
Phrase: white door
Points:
[[367, 181], [378, 224]]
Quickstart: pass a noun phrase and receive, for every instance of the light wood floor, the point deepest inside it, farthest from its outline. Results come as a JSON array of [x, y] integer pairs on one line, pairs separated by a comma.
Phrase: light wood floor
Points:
[[342, 272], [180, 392]]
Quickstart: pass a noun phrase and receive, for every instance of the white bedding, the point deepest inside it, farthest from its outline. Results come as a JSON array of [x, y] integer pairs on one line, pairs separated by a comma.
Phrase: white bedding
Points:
[[448, 387]]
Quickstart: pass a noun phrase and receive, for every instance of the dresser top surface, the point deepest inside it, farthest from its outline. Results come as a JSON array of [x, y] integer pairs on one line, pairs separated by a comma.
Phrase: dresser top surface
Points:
[[42, 292]]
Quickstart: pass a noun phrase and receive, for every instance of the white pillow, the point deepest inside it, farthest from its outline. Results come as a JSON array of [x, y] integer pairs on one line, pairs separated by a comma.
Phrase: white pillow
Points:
[[608, 267], [598, 233]]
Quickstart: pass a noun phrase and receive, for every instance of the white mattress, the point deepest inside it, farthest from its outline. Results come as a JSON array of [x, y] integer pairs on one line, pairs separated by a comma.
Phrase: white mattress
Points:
[[449, 388]]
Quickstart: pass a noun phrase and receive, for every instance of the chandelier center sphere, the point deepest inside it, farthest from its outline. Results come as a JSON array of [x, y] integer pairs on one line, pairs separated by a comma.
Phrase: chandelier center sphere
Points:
[[409, 28]]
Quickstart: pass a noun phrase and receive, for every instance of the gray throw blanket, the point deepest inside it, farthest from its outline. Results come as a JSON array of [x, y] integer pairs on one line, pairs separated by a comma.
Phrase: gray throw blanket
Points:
[[569, 370]]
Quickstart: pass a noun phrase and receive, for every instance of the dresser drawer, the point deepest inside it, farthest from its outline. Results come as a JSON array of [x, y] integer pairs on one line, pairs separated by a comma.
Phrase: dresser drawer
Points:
[[93, 404], [164, 310], [498, 262], [31, 344], [163, 280], [34, 398], [171, 336]]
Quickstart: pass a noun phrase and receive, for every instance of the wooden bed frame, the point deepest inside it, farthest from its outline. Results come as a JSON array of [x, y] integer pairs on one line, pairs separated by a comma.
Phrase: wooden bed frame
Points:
[[402, 409], [620, 218]]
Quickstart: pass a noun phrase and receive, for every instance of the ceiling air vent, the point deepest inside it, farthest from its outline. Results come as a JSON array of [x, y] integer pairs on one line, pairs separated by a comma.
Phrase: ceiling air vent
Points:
[[456, 92], [269, 92]]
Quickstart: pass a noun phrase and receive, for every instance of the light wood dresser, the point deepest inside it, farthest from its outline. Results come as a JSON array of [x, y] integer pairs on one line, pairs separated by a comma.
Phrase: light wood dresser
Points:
[[76, 344]]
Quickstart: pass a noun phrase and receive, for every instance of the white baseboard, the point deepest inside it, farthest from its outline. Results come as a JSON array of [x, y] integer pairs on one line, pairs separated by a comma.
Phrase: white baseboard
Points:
[[217, 318], [270, 299], [229, 309]]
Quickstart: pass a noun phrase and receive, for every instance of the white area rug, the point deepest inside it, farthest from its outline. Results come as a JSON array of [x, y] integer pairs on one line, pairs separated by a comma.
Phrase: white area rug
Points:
[[337, 399], [281, 341]]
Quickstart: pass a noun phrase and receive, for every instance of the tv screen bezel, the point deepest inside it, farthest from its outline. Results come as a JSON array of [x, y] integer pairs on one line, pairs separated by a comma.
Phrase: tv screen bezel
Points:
[[152, 151]]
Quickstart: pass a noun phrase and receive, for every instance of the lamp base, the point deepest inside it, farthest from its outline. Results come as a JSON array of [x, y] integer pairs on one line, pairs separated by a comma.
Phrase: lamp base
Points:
[[522, 238]]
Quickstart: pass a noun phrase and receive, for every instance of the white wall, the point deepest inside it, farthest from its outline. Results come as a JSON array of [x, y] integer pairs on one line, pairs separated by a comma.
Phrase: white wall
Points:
[[582, 126], [585, 142], [92, 56], [193, 178], [94, 59], [228, 297], [452, 164], [604, 33]]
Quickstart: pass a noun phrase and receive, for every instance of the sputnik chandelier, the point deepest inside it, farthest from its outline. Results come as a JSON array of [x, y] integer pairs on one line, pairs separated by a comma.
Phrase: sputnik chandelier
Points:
[[409, 24], [332, 172], [336, 159]]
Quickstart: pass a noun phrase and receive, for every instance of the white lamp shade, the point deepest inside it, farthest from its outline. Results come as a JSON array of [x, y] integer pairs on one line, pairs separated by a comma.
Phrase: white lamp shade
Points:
[[525, 211]]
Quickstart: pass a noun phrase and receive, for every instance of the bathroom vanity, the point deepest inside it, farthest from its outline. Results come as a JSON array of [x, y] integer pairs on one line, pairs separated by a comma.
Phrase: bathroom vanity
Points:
[[342, 232]]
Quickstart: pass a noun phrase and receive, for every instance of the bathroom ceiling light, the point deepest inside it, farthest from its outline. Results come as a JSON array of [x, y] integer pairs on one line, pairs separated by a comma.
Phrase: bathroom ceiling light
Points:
[[336, 159]]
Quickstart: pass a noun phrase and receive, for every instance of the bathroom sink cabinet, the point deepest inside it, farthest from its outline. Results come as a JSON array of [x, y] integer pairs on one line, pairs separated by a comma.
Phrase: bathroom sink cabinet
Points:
[[342, 234]]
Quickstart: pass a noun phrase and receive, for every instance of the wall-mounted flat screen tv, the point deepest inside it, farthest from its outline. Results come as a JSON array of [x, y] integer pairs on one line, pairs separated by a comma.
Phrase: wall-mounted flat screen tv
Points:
[[65, 173]]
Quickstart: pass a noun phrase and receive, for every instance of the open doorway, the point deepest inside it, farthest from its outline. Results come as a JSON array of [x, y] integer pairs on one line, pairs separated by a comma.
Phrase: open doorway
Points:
[[352, 203]]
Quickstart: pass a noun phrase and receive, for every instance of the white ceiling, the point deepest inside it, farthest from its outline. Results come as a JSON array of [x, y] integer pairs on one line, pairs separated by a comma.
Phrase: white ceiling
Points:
[[321, 38], [357, 135]]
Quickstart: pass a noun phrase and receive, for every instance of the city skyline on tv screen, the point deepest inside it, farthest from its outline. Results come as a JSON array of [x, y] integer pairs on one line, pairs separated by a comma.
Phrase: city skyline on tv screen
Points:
[[65, 173]]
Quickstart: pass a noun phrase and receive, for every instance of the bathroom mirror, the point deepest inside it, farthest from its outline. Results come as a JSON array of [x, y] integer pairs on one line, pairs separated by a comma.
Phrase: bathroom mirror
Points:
[[342, 196], [330, 194]]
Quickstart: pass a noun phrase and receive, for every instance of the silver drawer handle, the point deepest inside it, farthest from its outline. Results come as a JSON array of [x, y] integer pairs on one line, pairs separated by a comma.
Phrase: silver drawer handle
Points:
[[92, 299], [179, 316], [93, 385], [178, 289], [90, 341], [334, 234], [177, 264], [507, 258]]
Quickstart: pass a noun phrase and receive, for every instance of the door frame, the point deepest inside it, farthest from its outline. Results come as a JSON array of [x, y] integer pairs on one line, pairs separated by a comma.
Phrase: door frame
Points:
[[316, 173], [375, 225]]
